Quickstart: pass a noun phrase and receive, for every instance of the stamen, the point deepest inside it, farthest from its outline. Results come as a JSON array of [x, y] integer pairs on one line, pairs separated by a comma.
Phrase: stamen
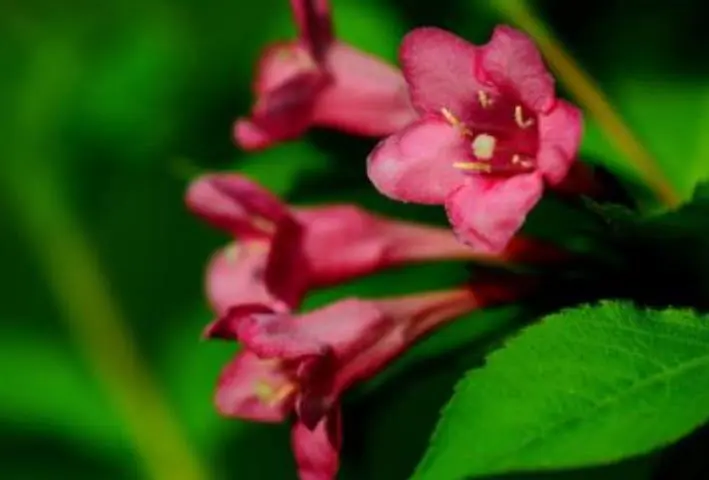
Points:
[[270, 395], [473, 166], [264, 391], [484, 146], [263, 224], [517, 160], [519, 118], [453, 120], [280, 394], [450, 118], [232, 253], [484, 99]]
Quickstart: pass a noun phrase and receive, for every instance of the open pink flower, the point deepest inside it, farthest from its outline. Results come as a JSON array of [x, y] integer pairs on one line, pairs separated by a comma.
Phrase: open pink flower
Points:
[[285, 251], [490, 133], [303, 363], [317, 80]]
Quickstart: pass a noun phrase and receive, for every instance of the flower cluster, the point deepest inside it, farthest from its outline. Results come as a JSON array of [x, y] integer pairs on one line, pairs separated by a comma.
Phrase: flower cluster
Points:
[[476, 129]]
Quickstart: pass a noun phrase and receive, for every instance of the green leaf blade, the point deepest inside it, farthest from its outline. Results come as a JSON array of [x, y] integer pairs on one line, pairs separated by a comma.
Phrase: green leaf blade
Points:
[[588, 386]]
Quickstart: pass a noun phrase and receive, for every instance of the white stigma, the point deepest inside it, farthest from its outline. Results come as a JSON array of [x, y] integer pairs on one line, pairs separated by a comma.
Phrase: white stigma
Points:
[[484, 146]]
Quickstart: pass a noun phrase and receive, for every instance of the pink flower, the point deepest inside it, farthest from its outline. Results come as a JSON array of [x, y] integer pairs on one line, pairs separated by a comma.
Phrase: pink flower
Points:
[[490, 133], [284, 252], [317, 80], [303, 363]]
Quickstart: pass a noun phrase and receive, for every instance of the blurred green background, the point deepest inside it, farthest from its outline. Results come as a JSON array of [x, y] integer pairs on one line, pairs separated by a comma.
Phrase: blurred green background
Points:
[[109, 108]]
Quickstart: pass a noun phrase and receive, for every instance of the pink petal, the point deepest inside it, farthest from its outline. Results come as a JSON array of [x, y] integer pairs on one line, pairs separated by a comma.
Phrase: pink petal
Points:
[[317, 452], [440, 70], [235, 203], [560, 137], [511, 60], [487, 212], [238, 388], [235, 276], [416, 164], [287, 84], [340, 328], [287, 273], [367, 95], [314, 24], [281, 114], [402, 320], [226, 327], [280, 63], [250, 136], [342, 242]]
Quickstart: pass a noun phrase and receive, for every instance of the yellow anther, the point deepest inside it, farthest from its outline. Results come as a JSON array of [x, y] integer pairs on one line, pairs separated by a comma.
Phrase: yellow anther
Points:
[[450, 118], [520, 120], [264, 391], [473, 166], [453, 120], [484, 99], [270, 395], [231, 254], [484, 146], [280, 394]]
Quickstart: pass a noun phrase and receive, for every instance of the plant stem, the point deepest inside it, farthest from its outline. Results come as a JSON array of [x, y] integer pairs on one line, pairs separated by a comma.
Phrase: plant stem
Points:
[[94, 320], [31, 182], [589, 96]]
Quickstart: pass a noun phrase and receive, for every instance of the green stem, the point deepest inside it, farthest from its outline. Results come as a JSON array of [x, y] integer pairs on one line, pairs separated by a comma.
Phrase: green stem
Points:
[[72, 269], [590, 97], [30, 180]]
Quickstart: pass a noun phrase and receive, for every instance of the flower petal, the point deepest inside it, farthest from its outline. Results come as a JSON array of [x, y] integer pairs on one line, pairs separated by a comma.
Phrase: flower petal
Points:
[[317, 452], [243, 389], [416, 164], [287, 83], [314, 24], [250, 136], [226, 327], [287, 273], [235, 276], [440, 70], [342, 242], [339, 328], [487, 212], [280, 63], [235, 203], [283, 113], [559, 139], [367, 95], [512, 60]]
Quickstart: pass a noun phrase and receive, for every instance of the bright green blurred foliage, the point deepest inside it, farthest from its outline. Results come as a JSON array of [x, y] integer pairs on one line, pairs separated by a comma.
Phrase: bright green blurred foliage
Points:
[[107, 110]]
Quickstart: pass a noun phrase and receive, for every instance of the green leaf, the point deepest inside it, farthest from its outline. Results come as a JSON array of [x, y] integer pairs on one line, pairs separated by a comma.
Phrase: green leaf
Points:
[[588, 386]]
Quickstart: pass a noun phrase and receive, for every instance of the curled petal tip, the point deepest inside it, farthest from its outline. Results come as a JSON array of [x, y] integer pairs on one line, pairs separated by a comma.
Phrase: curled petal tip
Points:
[[249, 136], [227, 326]]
